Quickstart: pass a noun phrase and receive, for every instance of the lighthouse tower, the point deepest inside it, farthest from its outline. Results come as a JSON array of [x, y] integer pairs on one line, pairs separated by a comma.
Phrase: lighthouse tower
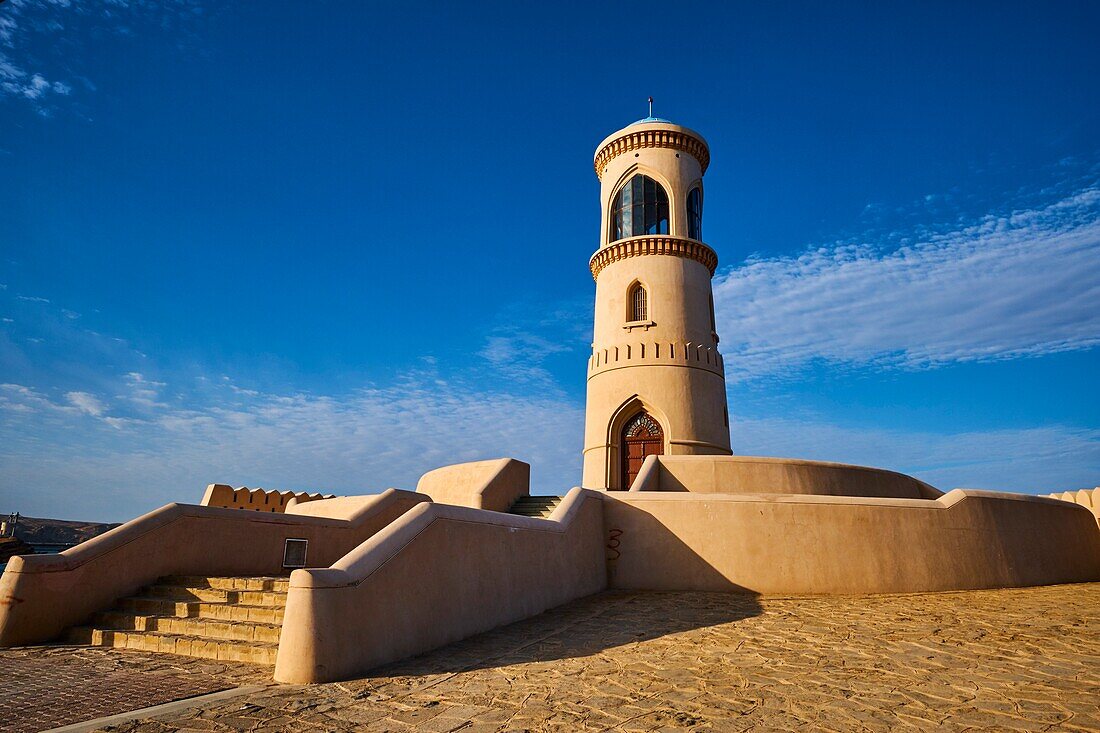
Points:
[[656, 382]]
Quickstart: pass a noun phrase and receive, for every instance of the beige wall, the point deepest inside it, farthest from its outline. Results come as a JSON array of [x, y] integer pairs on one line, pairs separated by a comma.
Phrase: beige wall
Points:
[[349, 508], [826, 544], [670, 366], [689, 404], [1088, 498], [494, 484], [761, 475], [254, 500], [42, 595], [438, 574]]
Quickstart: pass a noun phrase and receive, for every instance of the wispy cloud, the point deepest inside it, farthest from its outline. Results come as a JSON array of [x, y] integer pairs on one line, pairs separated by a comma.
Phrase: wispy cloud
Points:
[[1048, 458], [109, 433], [143, 392], [520, 356], [36, 68], [18, 398], [87, 403], [354, 443], [377, 437], [14, 80], [526, 337], [1019, 284]]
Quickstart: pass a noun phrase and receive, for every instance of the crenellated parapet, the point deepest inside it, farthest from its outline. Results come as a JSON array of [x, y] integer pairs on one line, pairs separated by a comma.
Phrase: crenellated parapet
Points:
[[656, 353], [257, 500], [653, 245]]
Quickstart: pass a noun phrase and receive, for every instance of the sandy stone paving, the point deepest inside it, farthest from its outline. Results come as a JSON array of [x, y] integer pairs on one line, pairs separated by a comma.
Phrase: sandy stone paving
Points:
[[1026, 659]]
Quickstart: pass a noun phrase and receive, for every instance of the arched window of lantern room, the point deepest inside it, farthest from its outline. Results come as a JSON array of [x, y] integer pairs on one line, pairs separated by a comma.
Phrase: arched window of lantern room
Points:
[[639, 208], [695, 214], [639, 303]]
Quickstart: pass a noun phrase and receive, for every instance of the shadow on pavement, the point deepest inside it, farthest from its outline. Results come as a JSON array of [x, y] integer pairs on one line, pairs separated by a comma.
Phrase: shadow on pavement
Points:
[[582, 628]]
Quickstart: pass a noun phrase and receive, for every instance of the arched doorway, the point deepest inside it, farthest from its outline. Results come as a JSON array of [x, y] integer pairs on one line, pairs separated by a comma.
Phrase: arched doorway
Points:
[[642, 436]]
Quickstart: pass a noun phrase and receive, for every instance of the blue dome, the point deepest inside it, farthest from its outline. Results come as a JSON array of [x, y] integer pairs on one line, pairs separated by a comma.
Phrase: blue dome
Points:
[[645, 120]]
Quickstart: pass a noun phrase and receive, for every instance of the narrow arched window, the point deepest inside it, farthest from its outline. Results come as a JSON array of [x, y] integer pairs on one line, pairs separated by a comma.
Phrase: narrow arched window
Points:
[[695, 214], [639, 304], [640, 207]]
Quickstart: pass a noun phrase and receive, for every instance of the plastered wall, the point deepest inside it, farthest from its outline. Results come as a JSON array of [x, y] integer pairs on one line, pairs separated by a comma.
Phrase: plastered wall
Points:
[[438, 574], [762, 475], [494, 484], [826, 544], [1088, 498], [42, 595]]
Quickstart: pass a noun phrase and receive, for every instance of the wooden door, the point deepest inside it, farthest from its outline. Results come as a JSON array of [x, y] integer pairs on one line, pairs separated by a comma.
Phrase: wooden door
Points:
[[642, 436]]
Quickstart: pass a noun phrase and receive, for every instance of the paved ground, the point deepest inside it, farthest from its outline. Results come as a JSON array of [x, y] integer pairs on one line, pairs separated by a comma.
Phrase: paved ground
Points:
[[48, 687], [991, 660]]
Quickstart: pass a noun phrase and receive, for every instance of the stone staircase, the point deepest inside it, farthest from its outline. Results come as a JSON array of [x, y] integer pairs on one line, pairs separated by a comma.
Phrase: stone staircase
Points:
[[535, 506], [235, 618]]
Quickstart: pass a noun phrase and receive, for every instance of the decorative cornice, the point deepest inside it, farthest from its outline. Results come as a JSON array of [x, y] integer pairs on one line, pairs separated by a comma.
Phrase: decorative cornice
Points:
[[638, 139], [639, 246]]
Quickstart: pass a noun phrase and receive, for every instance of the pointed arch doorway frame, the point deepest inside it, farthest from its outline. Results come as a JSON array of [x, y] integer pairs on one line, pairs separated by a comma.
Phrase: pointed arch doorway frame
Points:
[[640, 437]]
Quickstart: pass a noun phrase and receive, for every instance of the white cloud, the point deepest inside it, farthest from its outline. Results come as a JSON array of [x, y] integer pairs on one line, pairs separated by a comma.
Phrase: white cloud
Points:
[[1019, 284], [1034, 460], [19, 398], [520, 356], [378, 437], [517, 348], [1022, 284], [87, 403], [32, 299], [357, 443], [37, 24], [17, 82], [143, 392]]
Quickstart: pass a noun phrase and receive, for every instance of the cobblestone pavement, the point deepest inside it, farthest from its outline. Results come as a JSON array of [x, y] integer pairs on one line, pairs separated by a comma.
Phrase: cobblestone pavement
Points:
[[1025, 659]]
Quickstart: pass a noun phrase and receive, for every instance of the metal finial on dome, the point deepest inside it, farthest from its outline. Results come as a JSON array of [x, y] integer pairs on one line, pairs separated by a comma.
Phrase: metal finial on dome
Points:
[[651, 118]]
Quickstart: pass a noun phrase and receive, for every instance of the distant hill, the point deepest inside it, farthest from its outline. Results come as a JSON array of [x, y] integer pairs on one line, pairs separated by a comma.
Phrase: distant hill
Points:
[[36, 531], [11, 546]]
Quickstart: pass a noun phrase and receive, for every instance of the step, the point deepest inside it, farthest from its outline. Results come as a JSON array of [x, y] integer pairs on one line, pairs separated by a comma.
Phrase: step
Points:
[[191, 646], [539, 507], [147, 606], [214, 595], [279, 585], [206, 628]]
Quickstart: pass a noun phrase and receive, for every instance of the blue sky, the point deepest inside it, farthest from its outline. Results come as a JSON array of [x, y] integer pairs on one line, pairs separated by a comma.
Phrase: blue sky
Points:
[[332, 245]]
